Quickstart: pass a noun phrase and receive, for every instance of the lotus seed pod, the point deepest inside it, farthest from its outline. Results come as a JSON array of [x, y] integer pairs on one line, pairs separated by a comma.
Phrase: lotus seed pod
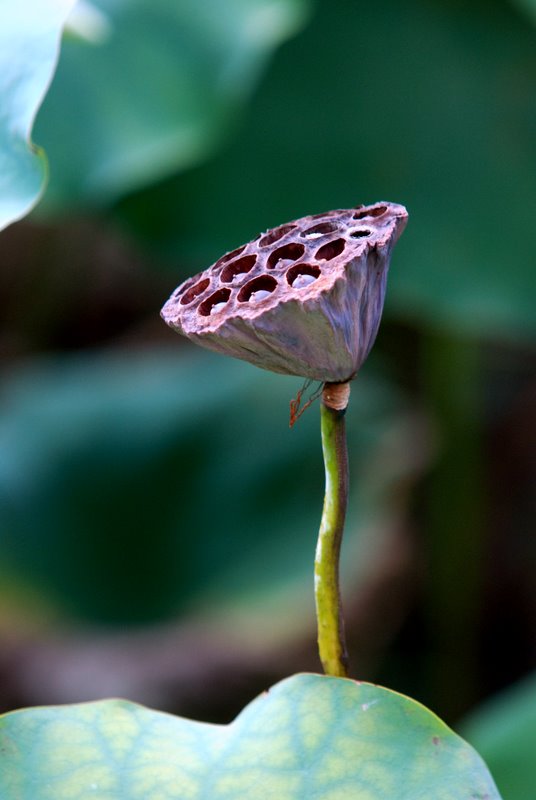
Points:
[[304, 298]]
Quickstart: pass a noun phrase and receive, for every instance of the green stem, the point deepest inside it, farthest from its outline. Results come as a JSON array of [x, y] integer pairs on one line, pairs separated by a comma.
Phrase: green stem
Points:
[[331, 641]]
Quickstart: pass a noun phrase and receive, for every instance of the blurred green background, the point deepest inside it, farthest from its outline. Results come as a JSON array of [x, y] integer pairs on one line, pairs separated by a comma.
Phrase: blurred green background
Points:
[[157, 517]]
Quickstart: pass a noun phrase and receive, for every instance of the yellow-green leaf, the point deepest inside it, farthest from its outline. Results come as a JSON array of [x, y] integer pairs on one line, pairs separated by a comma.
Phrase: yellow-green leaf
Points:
[[310, 737]]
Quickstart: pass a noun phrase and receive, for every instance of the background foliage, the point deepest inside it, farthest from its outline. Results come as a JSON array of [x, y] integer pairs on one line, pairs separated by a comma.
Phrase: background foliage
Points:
[[29, 45], [149, 491]]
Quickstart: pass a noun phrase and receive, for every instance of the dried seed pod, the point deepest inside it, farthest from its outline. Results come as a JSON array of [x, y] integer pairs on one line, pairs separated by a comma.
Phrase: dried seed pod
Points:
[[304, 298]]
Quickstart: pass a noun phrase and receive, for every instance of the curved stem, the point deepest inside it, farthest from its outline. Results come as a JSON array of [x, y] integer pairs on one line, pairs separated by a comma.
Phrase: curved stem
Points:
[[331, 641]]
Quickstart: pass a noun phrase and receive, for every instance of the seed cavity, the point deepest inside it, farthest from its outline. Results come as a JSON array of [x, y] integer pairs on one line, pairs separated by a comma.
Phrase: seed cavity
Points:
[[370, 212], [215, 303], [360, 234], [301, 275], [257, 289], [288, 252], [194, 291], [274, 235], [330, 250], [228, 256], [239, 267], [320, 229]]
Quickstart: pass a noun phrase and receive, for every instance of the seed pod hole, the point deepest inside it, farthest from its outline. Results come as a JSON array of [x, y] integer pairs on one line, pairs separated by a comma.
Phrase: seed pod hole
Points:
[[330, 250], [180, 290], [320, 229], [215, 303], [360, 234], [194, 291], [239, 267], [274, 235], [257, 289], [301, 275], [228, 256], [370, 212], [290, 252]]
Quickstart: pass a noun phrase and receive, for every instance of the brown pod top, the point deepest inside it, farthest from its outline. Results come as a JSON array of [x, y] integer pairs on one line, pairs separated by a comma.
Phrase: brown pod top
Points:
[[304, 298]]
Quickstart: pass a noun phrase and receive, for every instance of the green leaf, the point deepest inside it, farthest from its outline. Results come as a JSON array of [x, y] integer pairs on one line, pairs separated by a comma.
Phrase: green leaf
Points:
[[308, 737], [29, 43], [504, 731], [156, 84]]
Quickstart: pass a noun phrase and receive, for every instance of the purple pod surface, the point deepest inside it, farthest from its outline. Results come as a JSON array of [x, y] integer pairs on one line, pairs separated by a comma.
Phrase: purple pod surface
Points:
[[304, 298]]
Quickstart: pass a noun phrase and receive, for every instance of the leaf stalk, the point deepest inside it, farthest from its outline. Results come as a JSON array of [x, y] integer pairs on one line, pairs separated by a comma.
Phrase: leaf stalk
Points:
[[331, 638]]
